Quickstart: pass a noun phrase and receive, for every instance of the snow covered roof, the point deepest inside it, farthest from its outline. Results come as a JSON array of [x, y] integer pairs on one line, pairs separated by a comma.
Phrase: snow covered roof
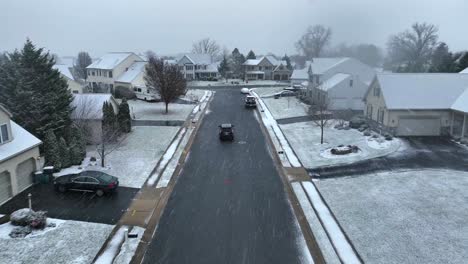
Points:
[[64, 70], [213, 67], [423, 90], [198, 59], [461, 104], [22, 141], [255, 72], [110, 60], [300, 74], [464, 71], [252, 62], [333, 81], [133, 71], [89, 106], [321, 65]]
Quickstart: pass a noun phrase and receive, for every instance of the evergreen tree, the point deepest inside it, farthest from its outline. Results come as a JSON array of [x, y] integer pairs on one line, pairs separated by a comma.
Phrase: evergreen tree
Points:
[[64, 153], [251, 55], [288, 62], [223, 67], [51, 150], [36, 94], [462, 62], [237, 59], [77, 146], [124, 119], [442, 60]]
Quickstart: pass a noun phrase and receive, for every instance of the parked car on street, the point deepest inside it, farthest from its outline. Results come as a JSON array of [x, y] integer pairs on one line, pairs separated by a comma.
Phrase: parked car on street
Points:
[[245, 91], [226, 132], [284, 93], [250, 102], [294, 88], [87, 181]]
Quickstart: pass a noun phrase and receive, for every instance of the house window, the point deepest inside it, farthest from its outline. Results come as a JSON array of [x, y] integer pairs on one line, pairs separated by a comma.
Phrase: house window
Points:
[[75, 91], [89, 73], [4, 133], [376, 92], [93, 73], [381, 115], [188, 67], [260, 68], [350, 83], [110, 74], [369, 111]]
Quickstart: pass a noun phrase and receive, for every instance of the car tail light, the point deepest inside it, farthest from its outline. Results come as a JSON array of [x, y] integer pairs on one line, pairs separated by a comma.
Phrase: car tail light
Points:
[[112, 185]]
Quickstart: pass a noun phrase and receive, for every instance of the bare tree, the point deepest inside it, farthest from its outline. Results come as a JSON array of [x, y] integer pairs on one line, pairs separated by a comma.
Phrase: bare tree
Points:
[[313, 42], [110, 140], [83, 60], [165, 79], [206, 46], [411, 50], [320, 112]]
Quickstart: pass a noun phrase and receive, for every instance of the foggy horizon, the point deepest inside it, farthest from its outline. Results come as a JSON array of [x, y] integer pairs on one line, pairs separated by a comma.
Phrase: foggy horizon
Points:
[[264, 26]]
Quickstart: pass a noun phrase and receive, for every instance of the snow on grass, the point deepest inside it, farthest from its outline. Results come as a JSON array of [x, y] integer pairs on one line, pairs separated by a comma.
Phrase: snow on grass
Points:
[[172, 165], [134, 159], [412, 216], [342, 246], [69, 242], [166, 158], [5, 229], [314, 223], [141, 110], [284, 107], [194, 95], [378, 143], [304, 138], [129, 246], [269, 121], [113, 247]]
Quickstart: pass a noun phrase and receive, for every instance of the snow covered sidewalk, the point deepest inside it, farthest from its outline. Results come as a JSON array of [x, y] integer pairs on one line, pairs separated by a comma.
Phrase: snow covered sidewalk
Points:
[[121, 248], [330, 237], [279, 141]]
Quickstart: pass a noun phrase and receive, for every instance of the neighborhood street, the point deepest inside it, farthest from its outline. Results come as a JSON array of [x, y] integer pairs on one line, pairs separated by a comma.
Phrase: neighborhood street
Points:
[[229, 204]]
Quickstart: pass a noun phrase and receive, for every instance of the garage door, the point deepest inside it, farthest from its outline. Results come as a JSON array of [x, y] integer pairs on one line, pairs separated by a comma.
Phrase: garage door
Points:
[[5, 187], [24, 174], [429, 126]]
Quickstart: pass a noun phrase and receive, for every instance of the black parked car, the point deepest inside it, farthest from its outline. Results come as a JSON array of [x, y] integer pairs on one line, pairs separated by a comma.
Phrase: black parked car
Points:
[[88, 181], [226, 132]]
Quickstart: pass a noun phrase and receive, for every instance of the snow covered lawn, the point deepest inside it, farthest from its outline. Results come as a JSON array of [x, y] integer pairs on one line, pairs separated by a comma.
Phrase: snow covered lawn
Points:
[[228, 83], [141, 110], [134, 159], [415, 216], [304, 138], [69, 242], [283, 107]]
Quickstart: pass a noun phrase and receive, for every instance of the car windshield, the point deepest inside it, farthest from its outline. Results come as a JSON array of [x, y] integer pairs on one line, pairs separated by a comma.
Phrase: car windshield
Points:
[[266, 131]]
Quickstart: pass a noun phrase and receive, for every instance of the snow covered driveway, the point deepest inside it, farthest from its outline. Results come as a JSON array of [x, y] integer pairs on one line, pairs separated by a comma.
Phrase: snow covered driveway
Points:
[[414, 216], [70, 242]]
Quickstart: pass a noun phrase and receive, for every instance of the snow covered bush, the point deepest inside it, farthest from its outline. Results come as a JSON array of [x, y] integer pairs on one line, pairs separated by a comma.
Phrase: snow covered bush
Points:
[[20, 232], [27, 217], [367, 133], [388, 137], [343, 150]]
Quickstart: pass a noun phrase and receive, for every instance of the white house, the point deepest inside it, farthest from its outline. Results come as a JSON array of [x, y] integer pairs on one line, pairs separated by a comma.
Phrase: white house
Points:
[[87, 113], [105, 71], [19, 157], [198, 66], [419, 104], [74, 85], [343, 80], [133, 77], [266, 68]]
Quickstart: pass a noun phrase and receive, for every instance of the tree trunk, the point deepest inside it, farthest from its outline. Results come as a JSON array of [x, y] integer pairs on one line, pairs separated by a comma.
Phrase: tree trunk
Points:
[[321, 135], [167, 105], [102, 155]]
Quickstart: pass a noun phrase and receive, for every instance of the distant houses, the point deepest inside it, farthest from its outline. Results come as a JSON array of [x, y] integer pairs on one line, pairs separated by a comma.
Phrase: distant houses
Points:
[[266, 68], [74, 85], [198, 67]]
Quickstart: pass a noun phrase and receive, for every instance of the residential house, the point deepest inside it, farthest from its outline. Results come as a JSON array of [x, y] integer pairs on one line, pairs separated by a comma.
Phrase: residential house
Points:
[[74, 85], [301, 76], [88, 114], [105, 71], [133, 77], [198, 67], [344, 81], [266, 68], [464, 71], [19, 157], [419, 104]]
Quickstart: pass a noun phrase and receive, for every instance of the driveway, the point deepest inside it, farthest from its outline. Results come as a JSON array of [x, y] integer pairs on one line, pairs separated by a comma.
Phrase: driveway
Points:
[[229, 204], [79, 206], [420, 153]]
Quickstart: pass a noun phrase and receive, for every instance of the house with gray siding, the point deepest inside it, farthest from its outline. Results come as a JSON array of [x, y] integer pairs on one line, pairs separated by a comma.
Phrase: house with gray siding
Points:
[[266, 68]]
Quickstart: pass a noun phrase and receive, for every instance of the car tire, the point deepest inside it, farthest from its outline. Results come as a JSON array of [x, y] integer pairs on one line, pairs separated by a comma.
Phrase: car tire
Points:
[[62, 189], [100, 193]]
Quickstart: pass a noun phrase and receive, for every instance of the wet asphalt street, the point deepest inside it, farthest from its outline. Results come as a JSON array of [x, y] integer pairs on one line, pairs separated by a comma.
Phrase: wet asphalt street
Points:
[[229, 205]]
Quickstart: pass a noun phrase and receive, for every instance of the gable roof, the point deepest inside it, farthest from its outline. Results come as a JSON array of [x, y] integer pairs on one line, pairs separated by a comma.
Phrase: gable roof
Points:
[[333, 81], [64, 70], [464, 71], [133, 71], [422, 90], [110, 60], [300, 74], [89, 106], [321, 65], [22, 141], [198, 59], [5, 110], [461, 104], [272, 59]]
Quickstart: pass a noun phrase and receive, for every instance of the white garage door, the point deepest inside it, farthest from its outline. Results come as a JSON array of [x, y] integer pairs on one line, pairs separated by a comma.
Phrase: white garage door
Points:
[[5, 187], [418, 126], [24, 174]]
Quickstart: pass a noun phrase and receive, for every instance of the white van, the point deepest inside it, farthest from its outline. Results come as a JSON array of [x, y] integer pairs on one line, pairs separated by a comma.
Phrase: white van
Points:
[[145, 94]]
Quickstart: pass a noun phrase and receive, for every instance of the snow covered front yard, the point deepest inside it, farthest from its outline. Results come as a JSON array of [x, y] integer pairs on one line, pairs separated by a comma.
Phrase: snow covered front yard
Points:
[[69, 242], [283, 107], [414, 216], [304, 138], [141, 110]]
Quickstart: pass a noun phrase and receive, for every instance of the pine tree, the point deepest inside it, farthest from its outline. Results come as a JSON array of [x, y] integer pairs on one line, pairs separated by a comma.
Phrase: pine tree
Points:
[[51, 150], [442, 60], [462, 62], [237, 59], [64, 153], [251, 55], [77, 146], [123, 117], [223, 68], [35, 93]]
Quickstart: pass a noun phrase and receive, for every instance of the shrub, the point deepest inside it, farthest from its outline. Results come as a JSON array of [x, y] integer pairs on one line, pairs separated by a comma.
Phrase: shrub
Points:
[[375, 136], [20, 232], [122, 92], [27, 217], [367, 133]]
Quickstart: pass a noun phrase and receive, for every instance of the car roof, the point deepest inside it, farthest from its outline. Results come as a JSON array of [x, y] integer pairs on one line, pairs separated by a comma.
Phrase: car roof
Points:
[[250, 96], [226, 125]]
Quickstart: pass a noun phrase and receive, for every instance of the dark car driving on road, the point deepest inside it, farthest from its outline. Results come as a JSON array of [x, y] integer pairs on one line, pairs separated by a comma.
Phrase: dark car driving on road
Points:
[[88, 181], [226, 132], [250, 102]]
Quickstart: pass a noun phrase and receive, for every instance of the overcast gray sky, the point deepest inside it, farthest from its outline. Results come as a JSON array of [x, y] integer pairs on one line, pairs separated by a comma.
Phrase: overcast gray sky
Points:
[[170, 26]]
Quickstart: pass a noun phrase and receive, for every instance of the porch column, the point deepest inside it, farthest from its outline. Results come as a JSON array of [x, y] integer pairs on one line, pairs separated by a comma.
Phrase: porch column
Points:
[[464, 125], [451, 123]]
